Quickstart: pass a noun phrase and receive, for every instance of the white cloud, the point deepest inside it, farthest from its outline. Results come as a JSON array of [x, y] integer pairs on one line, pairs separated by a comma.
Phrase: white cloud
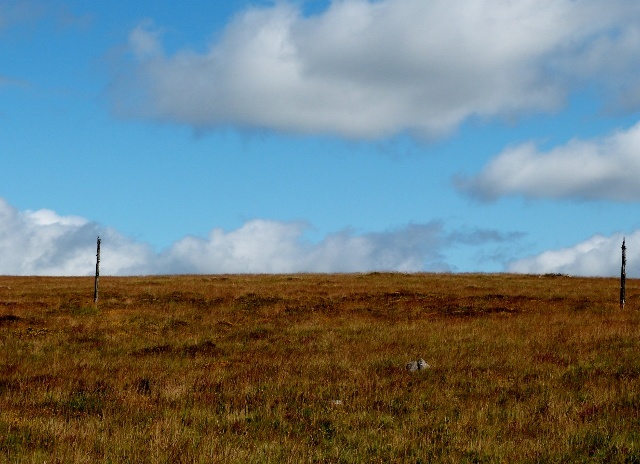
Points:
[[144, 40], [596, 256], [605, 168], [261, 246], [45, 243], [369, 69]]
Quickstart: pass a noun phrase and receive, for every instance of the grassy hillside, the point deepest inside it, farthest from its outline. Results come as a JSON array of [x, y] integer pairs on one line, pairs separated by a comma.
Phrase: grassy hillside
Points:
[[311, 368]]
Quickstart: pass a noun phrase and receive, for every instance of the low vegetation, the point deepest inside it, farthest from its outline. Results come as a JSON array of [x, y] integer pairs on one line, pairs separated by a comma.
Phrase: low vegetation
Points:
[[311, 368]]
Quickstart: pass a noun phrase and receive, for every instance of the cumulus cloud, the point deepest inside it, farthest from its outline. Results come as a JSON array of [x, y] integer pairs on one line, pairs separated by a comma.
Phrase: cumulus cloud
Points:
[[144, 40], [604, 168], [45, 243], [275, 247], [370, 69], [596, 256]]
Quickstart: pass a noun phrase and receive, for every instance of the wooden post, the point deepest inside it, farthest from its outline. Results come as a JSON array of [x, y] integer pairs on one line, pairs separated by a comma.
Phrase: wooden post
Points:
[[623, 275], [97, 281]]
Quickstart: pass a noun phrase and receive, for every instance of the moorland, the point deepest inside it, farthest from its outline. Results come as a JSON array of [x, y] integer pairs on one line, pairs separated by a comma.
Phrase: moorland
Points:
[[312, 368]]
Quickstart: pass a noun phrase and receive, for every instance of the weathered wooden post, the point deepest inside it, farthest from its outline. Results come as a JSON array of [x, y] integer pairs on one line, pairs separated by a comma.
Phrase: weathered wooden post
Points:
[[623, 275], [97, 281]]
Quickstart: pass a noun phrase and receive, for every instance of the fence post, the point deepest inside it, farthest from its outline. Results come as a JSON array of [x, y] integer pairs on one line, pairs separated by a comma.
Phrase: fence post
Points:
[[97, 281], [623, 275]]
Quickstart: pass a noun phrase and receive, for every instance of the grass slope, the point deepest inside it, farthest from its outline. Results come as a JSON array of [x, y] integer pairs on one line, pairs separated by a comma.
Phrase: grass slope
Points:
[[311, 368]]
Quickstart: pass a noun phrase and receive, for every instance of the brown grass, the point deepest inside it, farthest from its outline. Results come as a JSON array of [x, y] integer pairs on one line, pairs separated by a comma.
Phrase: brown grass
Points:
[[311, 368]]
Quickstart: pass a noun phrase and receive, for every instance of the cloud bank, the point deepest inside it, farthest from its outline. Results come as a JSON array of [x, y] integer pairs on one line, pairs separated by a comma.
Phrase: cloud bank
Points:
[[372, 69], [605, 168], [262, 246], [45, 243], [596, 256]]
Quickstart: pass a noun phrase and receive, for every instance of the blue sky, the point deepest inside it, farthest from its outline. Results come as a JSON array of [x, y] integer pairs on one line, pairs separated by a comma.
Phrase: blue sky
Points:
[[319, 136]]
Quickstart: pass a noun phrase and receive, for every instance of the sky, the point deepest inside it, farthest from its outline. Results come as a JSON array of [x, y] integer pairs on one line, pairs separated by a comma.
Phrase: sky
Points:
[[255, 136]]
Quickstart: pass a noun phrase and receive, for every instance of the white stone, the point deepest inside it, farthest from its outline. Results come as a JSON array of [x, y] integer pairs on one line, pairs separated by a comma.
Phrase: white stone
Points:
[[422, 364], [412, 366]]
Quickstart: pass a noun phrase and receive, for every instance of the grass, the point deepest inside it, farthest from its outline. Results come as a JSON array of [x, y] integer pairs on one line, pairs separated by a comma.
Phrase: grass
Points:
[[311, 368]]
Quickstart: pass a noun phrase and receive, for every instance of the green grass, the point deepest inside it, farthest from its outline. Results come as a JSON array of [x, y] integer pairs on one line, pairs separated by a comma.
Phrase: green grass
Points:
[[311, 368]]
